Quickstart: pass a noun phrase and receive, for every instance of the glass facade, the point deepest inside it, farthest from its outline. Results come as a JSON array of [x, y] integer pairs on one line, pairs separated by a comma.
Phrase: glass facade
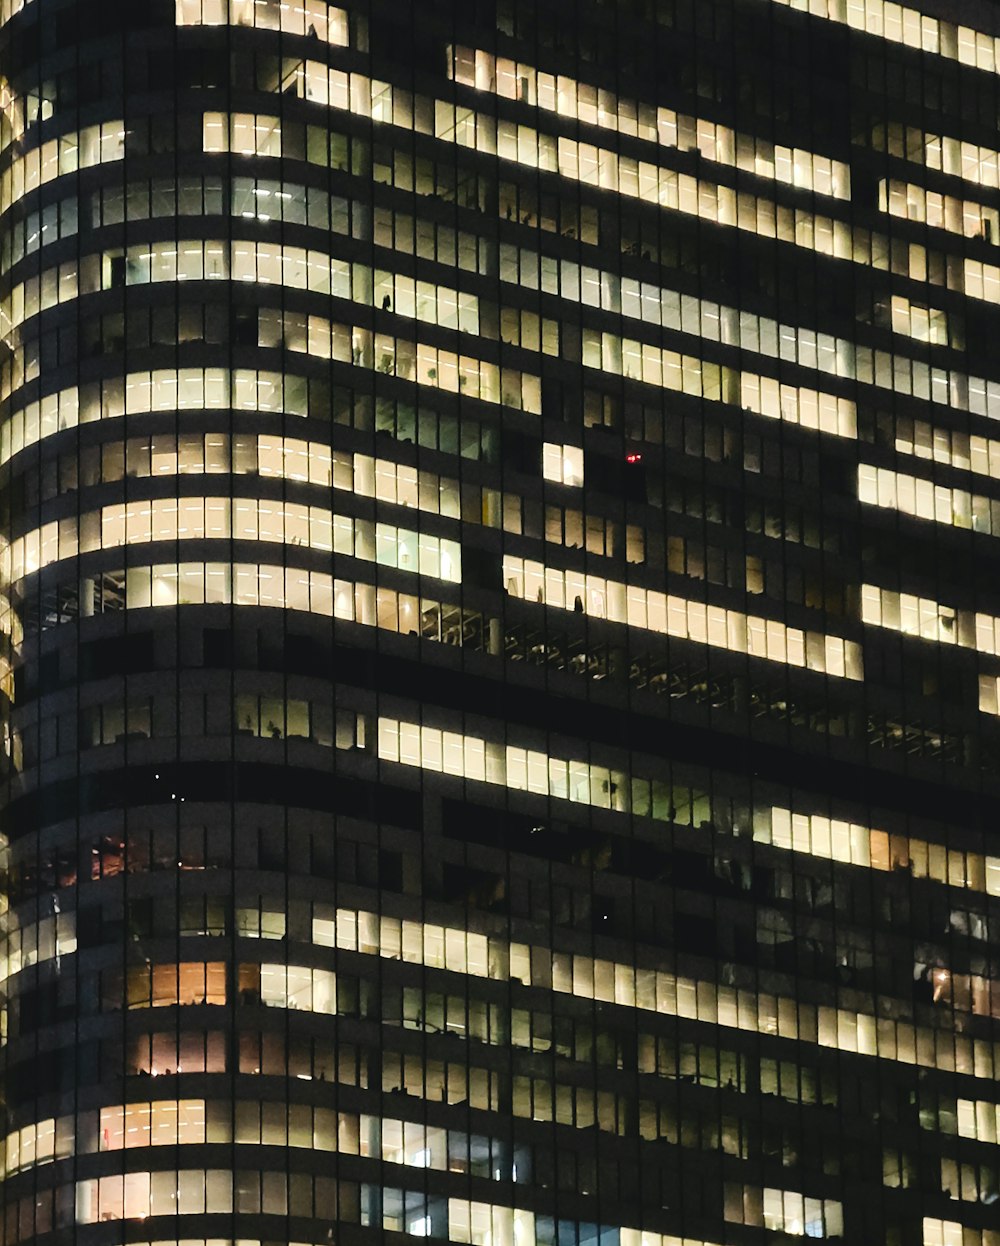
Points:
[[499, 622]]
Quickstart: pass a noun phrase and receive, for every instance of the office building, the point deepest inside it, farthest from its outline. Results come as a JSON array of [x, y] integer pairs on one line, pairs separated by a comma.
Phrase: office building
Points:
[[500, 657]]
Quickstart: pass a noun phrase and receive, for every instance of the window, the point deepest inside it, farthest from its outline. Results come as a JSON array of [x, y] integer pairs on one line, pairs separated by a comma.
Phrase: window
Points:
[[562, 464]]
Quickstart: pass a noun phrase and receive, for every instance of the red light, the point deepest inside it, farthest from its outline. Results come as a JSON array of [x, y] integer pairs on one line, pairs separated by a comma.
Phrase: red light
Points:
[[633, 458]]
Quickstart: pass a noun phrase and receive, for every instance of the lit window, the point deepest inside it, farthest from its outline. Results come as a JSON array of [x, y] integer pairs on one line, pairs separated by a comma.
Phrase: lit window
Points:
[[562, 464]]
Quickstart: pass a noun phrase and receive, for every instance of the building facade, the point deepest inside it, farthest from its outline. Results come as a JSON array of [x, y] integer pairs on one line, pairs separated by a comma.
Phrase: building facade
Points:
[[500, 625]]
